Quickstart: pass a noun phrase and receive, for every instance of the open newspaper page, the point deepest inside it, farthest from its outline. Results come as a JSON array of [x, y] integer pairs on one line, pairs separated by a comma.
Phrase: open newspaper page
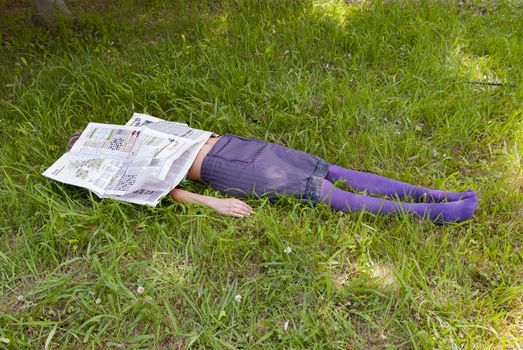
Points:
[[156, 190], [82, 170], [97, 158], [115, 160], [136, 164]]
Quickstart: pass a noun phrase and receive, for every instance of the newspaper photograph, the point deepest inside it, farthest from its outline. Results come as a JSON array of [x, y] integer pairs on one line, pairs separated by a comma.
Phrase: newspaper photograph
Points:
[[139, 162]]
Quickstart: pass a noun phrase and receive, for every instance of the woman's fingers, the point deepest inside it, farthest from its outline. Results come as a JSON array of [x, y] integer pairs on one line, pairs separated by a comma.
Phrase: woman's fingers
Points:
[[244, 206], [244, 210], [234, 207], [240, 209]]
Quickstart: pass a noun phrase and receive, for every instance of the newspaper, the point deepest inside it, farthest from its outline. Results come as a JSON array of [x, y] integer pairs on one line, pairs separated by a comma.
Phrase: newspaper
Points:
[[139, 162]]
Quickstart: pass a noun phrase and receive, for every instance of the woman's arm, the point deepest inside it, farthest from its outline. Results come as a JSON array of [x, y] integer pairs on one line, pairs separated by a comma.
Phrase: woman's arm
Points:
[[225, 206]]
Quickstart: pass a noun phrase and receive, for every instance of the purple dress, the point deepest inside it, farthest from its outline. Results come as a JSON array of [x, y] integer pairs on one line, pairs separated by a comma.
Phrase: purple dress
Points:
[[244, 167]]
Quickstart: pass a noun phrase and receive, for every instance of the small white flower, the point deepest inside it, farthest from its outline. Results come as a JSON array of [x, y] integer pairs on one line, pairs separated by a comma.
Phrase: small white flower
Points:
[[98, 301], [27, 304], [140, 290], [288, 250], [286, 326], [238, 298]]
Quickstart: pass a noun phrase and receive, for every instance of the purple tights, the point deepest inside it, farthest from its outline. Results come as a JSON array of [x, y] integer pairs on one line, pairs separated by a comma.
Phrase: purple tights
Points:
[[443, 206]]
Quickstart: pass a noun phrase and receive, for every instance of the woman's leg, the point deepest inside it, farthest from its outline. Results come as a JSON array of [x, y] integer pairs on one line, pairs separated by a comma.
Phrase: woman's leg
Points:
[[440, 212], [376, 184]]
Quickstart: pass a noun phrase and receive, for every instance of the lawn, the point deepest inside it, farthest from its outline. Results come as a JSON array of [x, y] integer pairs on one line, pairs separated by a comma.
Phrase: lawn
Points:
[[427, 92]]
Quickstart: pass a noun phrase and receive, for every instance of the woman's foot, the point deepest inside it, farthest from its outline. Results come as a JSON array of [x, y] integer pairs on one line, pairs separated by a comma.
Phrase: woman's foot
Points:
[[456, 211], [453, 196]]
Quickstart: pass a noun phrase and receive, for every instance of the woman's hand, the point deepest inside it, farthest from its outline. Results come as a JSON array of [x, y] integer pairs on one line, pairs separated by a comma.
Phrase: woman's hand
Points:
[[224, 206], [230, 206]]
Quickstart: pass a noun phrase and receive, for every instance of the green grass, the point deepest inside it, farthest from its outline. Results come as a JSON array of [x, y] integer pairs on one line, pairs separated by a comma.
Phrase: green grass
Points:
[[374, 86]]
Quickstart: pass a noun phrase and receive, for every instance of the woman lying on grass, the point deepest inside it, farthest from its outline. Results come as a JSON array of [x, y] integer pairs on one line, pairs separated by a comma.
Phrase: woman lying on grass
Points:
[[242, 166]]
